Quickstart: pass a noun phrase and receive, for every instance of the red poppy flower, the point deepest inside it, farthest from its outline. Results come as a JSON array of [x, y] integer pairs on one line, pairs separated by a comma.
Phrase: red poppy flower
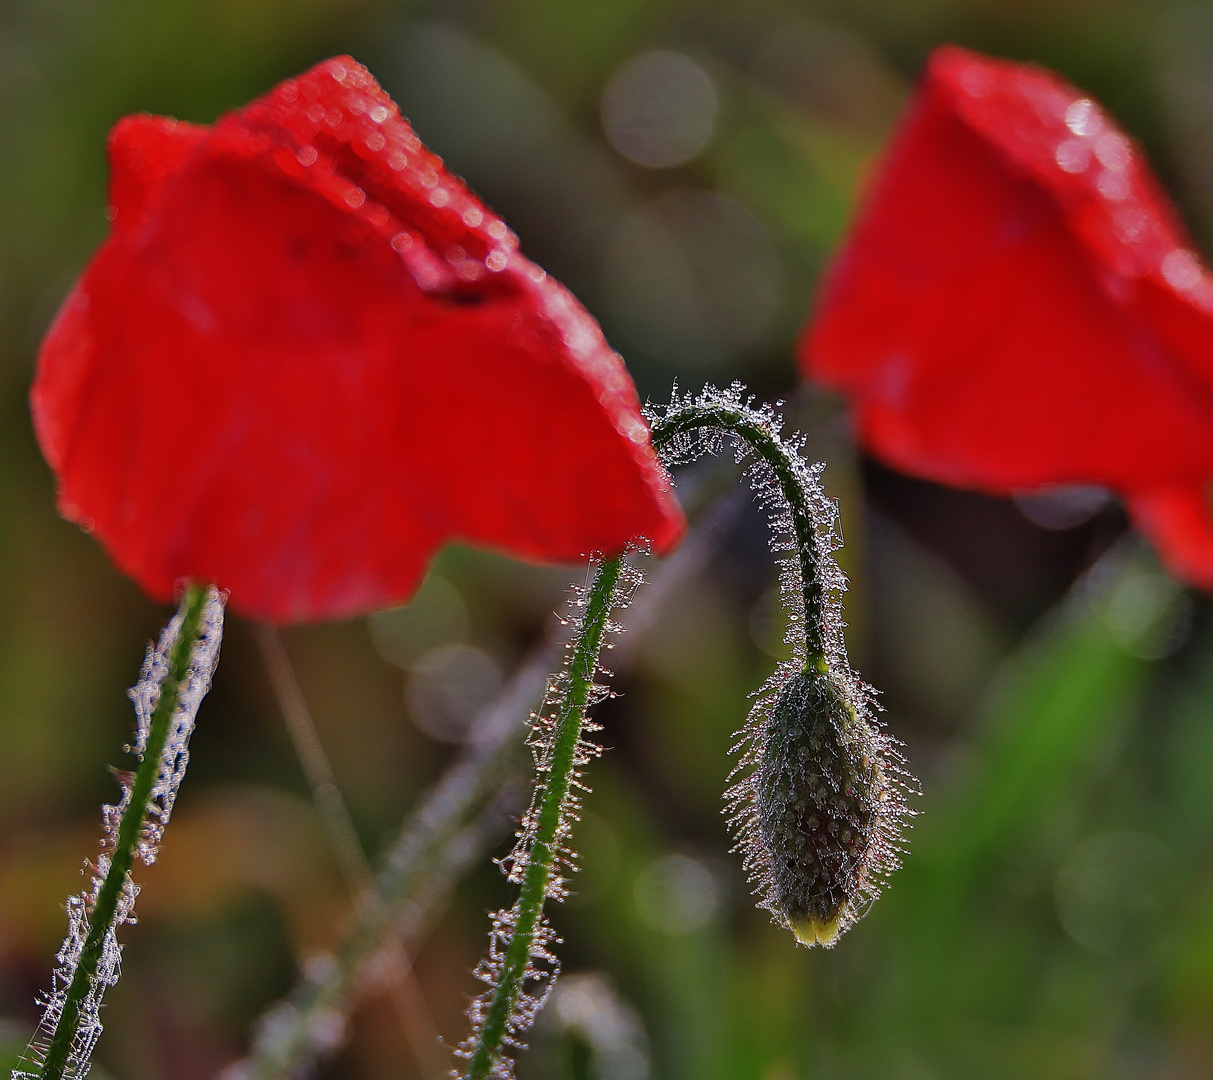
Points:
[[1018, 305], [307, 355]]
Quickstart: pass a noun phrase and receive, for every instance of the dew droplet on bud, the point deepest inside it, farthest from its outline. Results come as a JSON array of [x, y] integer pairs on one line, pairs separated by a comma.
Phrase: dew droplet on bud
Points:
[[827, 813]]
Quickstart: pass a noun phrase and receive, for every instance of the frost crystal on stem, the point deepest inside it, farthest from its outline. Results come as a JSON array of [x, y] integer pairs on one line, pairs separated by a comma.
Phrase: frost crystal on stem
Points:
[[521, 967], [176, 674], [145, 695], [819, 806], [820, 803]]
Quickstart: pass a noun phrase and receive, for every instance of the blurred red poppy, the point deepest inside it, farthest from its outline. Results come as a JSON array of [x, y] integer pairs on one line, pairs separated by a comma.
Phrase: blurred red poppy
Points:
[[307, 355], [1018, 305]]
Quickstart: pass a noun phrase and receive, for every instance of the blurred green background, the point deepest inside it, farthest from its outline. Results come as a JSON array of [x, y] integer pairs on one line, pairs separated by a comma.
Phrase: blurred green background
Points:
[[686, 167]]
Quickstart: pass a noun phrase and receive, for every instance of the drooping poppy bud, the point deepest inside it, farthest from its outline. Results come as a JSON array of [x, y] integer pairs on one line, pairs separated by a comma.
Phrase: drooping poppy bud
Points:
[[825, 813], [1019, 305], [819, 804], [307, 356]]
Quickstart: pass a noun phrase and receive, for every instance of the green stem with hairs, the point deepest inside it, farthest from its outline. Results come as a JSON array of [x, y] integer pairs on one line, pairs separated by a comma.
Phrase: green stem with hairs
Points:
[[788, 469], [129, 831], [542, 855], [693, 416]]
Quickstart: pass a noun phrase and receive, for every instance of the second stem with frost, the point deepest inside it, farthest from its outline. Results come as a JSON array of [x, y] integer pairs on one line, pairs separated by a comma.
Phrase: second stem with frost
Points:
[[58, 1058], [498, 1018], [552, 812], [687, 418]]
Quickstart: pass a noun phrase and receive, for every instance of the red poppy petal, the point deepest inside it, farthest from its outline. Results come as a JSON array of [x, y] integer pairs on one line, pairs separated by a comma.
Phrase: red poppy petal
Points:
[[1179, 521], [278, 382], [1016, 304], [144, 151]]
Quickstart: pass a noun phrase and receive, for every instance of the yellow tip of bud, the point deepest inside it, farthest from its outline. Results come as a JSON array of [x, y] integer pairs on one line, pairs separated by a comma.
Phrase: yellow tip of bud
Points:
[[811, 931]]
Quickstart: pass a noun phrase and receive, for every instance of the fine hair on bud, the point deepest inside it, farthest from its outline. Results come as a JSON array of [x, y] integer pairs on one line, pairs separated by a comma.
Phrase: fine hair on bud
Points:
[[819, 815], [818, 804]]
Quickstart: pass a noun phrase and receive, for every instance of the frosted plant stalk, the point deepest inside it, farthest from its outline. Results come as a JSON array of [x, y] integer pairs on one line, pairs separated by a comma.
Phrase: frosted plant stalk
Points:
[[176, 676], [437, 845], [520, 967], [819, 806]]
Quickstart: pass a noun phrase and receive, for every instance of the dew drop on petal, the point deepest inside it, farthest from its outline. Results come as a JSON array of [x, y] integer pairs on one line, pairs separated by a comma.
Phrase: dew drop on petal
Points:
[[379, 113], [1073, 156], [307, 155], [1130, 224], [1112, 185], [1082, 117], [1113, 151], [1181, 270]]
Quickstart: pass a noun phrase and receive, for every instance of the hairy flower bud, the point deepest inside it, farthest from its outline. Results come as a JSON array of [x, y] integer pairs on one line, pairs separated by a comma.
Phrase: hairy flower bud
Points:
[[820, 802], [825, 811]]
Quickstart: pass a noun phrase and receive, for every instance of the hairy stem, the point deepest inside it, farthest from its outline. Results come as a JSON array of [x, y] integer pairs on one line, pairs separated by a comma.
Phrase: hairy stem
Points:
[[129, 832], [818, 804], [683, 418], [456, 824], [544, 844]]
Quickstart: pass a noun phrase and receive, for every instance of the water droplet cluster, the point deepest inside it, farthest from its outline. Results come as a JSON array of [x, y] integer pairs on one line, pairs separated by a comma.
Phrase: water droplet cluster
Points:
[[335, 132], [338, 133], [1066, 142]]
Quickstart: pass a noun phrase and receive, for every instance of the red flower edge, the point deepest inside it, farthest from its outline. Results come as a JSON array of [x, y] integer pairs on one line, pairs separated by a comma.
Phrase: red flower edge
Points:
[[306, 356], [1018, 305]]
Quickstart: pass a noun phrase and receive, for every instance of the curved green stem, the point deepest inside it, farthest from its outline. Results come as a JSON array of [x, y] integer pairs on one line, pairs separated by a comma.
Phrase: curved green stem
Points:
[[464, 815], [688, 417], [129, 831], [551, 812], [505, 1009]]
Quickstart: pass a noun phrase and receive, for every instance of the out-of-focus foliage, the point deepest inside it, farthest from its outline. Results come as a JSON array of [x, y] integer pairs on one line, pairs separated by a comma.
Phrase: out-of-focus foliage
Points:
[[1055, 916]]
